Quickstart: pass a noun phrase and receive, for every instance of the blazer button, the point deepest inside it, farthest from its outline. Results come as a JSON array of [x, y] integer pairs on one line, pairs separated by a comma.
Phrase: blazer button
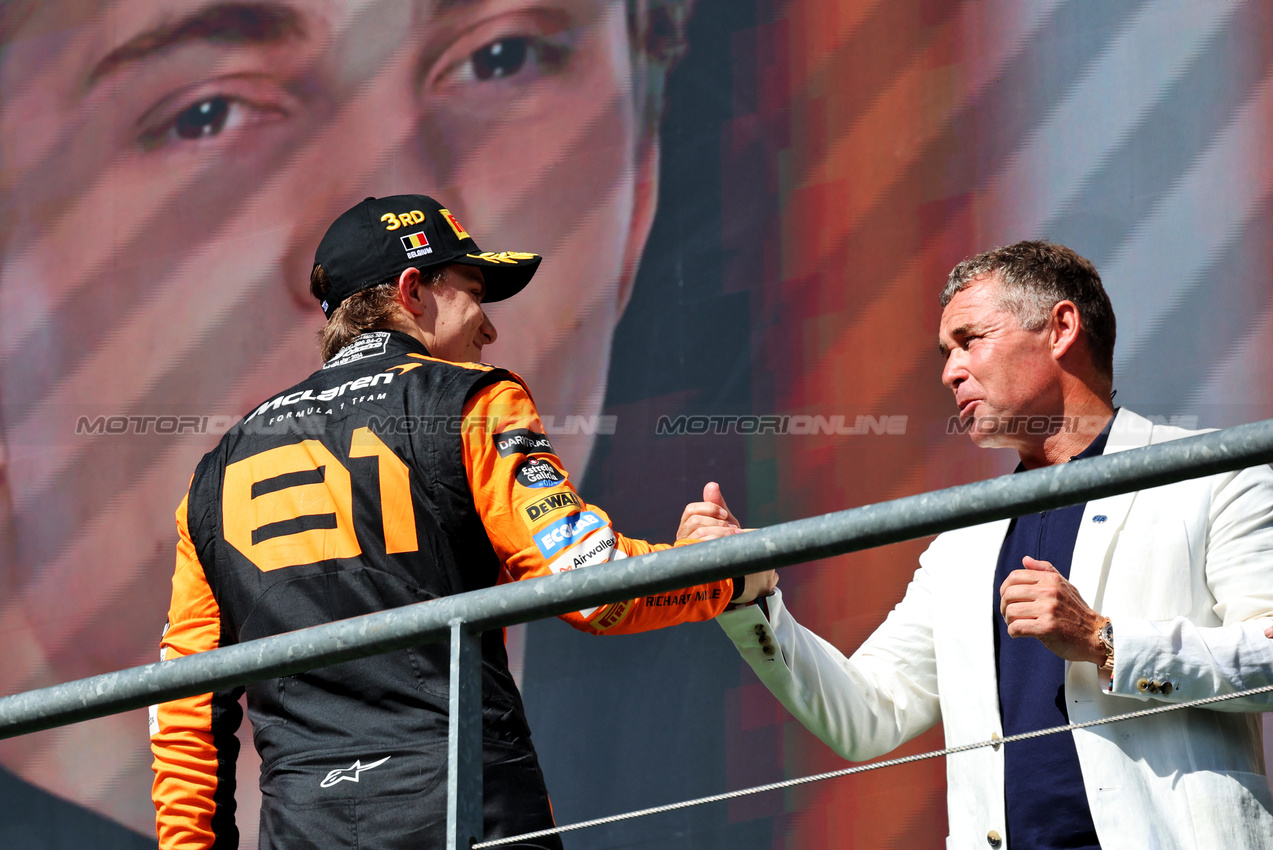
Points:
[[768, 649], [760, 628], [1142, 685], [994, 839], [1166, 687]]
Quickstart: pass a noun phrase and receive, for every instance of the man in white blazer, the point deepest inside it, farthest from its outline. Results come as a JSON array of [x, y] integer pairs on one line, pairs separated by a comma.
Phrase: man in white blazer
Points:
[[1168, 596]]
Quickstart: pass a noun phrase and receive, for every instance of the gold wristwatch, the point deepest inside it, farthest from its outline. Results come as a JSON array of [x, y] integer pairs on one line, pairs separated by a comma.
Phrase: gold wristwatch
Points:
[[1105, 634]]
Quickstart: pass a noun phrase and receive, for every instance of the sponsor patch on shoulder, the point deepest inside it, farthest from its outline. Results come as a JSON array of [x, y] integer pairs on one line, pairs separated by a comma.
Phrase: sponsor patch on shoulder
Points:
[[538, 473], [551, 503], [555, 537], [522, 441]]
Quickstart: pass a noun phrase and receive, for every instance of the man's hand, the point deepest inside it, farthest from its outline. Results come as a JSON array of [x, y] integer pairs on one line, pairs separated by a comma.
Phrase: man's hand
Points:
[[708, 519], [758, 585], [1038, 602], [711, 532]]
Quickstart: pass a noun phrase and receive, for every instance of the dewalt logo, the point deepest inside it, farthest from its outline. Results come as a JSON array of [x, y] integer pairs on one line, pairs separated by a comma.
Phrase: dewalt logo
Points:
[[550, 504]]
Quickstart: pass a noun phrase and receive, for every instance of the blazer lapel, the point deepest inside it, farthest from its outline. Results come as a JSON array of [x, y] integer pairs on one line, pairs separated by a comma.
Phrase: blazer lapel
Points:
[[1103, 519]]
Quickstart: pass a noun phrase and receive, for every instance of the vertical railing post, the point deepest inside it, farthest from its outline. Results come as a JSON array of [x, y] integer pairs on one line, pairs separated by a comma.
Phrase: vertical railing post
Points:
[[464, 739]]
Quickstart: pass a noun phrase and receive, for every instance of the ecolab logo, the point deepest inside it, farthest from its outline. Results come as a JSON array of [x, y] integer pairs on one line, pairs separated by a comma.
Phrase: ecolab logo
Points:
[[565, 531]]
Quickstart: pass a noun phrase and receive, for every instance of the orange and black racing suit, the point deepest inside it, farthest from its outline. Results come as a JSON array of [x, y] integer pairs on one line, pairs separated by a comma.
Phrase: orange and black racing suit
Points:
[[385, 478]]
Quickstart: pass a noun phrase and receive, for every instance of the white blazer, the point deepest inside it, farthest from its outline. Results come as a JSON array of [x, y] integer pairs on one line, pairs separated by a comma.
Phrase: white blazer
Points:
[[1184, 572]]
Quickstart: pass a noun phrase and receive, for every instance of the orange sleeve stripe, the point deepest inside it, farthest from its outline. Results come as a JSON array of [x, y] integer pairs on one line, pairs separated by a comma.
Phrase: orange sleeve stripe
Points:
[[538, 525], [181, 739]]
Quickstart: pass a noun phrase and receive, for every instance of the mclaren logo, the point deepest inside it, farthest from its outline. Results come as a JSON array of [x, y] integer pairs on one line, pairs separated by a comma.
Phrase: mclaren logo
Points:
[[311, 395], [350, 774]]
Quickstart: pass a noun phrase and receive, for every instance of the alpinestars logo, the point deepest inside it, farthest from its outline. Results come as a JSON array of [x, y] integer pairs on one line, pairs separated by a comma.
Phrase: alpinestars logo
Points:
[[350, 774]]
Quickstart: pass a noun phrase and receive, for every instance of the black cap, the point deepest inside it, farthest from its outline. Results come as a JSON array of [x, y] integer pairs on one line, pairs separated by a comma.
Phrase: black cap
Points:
[[380, 237]]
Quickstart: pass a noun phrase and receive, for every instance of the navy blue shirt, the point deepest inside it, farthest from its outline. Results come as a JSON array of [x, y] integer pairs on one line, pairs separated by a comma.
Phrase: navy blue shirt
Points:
[[1043, 786]]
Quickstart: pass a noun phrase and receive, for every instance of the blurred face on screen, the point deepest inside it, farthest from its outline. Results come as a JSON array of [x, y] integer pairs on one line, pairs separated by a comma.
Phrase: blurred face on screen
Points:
[[167, 168]]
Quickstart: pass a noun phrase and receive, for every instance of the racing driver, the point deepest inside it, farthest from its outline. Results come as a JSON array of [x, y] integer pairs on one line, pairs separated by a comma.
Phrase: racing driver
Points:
[[401, 471]]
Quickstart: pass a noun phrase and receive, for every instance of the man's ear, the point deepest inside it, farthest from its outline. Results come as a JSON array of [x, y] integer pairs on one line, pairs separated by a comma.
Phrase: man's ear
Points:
[[1065, 327], [414, 296]]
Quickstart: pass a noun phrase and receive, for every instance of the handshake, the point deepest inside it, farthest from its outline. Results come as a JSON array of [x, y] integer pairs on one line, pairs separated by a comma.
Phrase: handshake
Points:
[[710, 519]]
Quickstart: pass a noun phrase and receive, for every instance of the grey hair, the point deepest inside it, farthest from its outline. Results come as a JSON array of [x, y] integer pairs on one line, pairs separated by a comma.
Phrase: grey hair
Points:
[[1033, 277]]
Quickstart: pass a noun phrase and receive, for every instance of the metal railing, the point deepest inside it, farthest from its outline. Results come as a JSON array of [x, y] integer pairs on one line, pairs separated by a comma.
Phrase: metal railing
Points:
[[463, 617]]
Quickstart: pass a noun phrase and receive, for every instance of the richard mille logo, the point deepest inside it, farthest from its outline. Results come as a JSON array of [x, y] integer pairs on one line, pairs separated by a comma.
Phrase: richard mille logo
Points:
[[350, 774]]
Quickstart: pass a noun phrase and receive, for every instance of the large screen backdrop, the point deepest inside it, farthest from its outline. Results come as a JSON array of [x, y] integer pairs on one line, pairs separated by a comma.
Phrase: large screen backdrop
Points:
[[747, 209]]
